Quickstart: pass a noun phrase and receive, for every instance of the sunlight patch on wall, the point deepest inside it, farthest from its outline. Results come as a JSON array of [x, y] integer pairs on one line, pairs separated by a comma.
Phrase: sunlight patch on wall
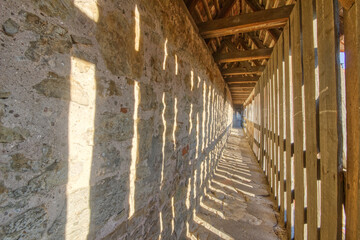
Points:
[[161, 225], [203, 118], [173, 215], [187, 202], [81, 142], [195, 180], [163, 140], [190, 118], [176, 65], [137, 29], [134, 151], [89, 8], [192, 79], [197, 136], [165, 54], [175, 123], [199, 80]]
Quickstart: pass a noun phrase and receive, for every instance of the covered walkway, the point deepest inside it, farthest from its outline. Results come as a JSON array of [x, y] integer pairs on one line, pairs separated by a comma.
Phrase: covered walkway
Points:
[[237, 202]]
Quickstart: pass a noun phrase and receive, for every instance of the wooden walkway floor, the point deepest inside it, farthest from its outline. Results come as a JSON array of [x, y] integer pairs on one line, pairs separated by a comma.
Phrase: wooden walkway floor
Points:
[[237, 204]]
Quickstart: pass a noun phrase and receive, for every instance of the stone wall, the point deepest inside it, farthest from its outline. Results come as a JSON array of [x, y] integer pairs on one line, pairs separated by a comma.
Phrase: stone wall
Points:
[[112, 115]]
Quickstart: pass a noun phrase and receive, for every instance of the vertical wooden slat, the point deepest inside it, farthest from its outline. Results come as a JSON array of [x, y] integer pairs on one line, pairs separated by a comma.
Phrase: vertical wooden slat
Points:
[[261, 81], [272, 124], [269, 126], [329, 88], [281, 124], [307, 13], [276, 116], [352, 58], [298, 121], [288, 78], [266, 82]]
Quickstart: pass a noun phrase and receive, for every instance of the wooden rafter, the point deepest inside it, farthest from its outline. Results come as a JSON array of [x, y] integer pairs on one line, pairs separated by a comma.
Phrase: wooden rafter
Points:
[[234, 80], [243, 55], [249, 22], [255, 6], [257, 70]]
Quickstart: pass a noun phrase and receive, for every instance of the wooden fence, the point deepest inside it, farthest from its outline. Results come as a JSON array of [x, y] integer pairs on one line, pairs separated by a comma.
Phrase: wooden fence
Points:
[[297, 116]]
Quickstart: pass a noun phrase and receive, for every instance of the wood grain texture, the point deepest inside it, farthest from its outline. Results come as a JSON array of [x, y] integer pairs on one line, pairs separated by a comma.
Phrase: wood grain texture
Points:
[[329, 87], [288, 79], [310, 79], [248, 22], [239, 56], [352, 57], [281, 123], [298, 121]]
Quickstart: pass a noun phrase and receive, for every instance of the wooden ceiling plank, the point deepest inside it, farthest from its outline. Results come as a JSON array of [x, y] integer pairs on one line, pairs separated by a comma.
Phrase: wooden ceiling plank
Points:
[[226, 9]]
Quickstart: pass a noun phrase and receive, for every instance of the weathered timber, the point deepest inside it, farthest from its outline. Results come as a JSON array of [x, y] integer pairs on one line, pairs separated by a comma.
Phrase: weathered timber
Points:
[[264, 19]]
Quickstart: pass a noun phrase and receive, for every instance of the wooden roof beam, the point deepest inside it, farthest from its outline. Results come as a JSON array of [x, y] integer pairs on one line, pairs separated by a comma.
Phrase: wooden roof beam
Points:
[[249, 22], [257, 70], [234, 80], [255, 6], [243, 55]]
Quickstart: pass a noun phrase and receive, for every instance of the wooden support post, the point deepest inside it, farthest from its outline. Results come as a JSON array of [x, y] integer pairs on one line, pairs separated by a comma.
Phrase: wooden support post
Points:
[[329, 99], [288, 79], [281, 122], [272, 125], [276, 128], [262, 92], [310, 79], [298, 121], [352, 60]]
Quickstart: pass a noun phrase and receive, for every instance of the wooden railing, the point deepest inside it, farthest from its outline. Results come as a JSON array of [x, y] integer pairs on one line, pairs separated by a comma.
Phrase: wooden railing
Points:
[[298, 123]]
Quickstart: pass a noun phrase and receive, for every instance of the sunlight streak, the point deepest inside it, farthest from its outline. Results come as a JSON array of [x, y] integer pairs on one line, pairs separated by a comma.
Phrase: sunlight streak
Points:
[[211, 228], [89, 8], [232, 188], [192, 80], [233, 180], [163, 140], [134, 151], [175, 123], [137, 29], [190, 118], [187, 201], [213, 210], [197, 136], [214, 199], [81, 142], [165, 54], [173, 215], [161, 225], [203, 117], [176, 65]]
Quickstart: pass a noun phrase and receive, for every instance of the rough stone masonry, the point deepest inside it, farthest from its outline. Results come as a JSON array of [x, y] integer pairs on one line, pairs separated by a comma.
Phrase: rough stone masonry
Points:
[[112, 113]]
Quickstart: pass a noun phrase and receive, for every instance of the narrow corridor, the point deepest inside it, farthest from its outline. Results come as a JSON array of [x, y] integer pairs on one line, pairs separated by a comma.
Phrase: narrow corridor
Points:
[[237, 203]]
